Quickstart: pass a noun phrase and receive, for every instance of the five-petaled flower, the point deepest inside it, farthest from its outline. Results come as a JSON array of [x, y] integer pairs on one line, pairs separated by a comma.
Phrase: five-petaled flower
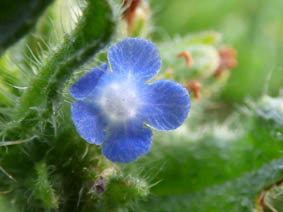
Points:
[[114, 105]]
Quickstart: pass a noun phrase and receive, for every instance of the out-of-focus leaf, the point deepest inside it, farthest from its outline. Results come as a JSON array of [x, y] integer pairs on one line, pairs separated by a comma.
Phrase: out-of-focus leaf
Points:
[[17, 18], [238, 195]]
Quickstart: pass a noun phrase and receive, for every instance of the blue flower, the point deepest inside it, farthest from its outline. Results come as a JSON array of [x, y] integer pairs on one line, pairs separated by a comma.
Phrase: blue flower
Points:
[[114, 103]]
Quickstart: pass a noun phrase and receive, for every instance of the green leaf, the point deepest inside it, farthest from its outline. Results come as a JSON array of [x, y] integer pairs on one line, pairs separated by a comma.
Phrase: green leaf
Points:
[[17, 18], [237, 195]]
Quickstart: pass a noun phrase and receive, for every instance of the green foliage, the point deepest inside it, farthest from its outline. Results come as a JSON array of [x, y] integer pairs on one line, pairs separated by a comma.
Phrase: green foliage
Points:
[[85, 41], [222, 158], [36, 118], [236, 195], [43, 189], [121, 192]]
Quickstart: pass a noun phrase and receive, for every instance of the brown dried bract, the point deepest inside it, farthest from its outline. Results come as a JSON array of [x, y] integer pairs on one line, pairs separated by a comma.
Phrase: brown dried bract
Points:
[[194, 87], [130, 12], [188, 58], [260, 199], [228, 60]]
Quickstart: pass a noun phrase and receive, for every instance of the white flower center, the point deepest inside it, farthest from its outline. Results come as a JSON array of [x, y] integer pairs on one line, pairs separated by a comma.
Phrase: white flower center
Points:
[[119, 102]]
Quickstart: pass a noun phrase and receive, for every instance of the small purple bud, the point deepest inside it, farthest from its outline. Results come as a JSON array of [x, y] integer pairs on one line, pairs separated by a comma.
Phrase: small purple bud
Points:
[[99, 188]]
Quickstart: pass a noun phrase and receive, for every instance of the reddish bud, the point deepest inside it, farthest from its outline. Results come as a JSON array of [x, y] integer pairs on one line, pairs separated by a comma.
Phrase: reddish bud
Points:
[[188, 58], [130, 12], [228, 60], [194, 87]]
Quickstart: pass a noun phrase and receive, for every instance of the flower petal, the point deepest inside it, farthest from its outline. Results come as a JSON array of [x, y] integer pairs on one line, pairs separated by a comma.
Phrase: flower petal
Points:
[[166, 105], [136, 56], [88, 122], [126, 144], [87, 83]]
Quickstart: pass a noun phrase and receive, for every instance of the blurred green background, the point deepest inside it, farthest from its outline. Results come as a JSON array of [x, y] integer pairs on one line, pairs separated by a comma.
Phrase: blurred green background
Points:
[[254, 28]]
